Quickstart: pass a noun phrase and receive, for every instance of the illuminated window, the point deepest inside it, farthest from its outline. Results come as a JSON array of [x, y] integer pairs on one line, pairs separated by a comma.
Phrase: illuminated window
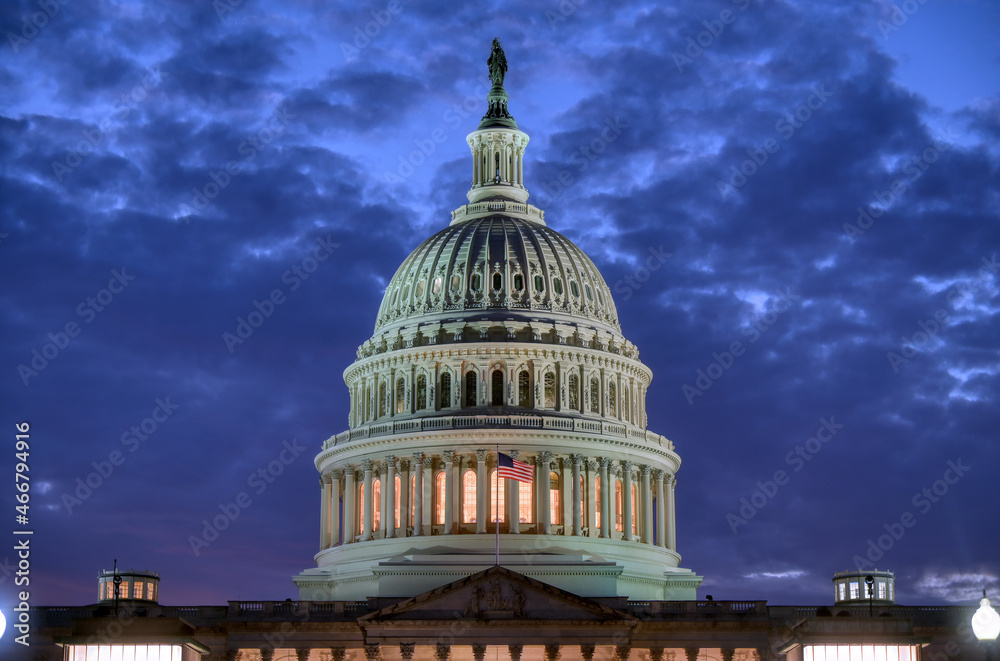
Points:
[[446, 390], [550, 390], [524, 505], [854, 590], [523, 389], [841, 592], [400, 396], [469, 497], [436, 287], [361, 507], [612, 397], [574, 392], [597, 493], [439, 493], [470, 388], [595, 395], [554, 503], [421, 392], [138, 590], [413, 492], [498, 495], [635, 509], [583, 501], [496, 386], [126, 652], [619, 508], [881, 590], [150, 594], [395, 510], [859, 653], [376, 503]]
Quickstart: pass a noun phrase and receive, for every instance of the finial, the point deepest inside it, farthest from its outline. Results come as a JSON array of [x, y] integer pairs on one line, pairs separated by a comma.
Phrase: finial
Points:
[[496, 112]]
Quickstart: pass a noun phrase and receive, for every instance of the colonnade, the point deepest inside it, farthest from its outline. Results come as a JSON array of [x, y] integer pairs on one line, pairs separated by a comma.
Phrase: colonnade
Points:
[[456, 493], [514, 652]]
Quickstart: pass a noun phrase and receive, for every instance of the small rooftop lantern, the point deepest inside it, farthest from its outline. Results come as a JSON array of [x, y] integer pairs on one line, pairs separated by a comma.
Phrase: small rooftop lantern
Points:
[[986, 623]]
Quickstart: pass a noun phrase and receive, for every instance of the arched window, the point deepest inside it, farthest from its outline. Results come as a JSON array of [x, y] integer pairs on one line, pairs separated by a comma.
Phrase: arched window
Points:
[[419, 291], [627, 408], [574, 289], [497, 499], [555, 509], [446, 390], [518, 282], [439, 498], [381, 399], [539, 284], [470, 388], [477, 282], [496, 388], [612, 400], [396, 512], [524, 504], [619, 509], [400, 396], [436, 287], [550, 390], [597, 494], [456, 282], [376, 503], [635, 509], [557, 286], [574, 392], [497, 281], [595, 395], [469, 497], [523, 389], [421, 392]]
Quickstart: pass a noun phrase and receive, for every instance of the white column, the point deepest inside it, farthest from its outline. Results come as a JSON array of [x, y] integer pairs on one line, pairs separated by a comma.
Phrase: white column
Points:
[[380, 473], [335, 477], [404, 497], [449, 491], [591, 499], [577, 460], [607, 491], [566, 495], [366, 530], [350, 514], [627, 500], [324, 512], [482, 485], [669, 511], [390, 496], [418, 493], [660, 509], [542, 468], [428, 496], [646, 513]]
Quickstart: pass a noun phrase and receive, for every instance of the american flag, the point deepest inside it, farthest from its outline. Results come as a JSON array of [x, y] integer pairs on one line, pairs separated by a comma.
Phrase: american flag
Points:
[[513, 469]]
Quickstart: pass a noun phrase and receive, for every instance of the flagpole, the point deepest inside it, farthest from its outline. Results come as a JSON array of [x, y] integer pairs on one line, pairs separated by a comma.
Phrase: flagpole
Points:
[[496, 505]]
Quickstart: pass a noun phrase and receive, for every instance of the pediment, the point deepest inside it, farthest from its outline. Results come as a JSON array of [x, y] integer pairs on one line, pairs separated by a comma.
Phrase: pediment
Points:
[[497, 594]]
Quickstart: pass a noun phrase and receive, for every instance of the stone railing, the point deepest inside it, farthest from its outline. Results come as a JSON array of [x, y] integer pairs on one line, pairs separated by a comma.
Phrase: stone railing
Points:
[[578, 425], [477, 209], [697, 607]]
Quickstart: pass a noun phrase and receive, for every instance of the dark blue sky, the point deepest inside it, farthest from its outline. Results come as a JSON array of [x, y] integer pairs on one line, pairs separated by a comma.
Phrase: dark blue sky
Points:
[[856, 265]]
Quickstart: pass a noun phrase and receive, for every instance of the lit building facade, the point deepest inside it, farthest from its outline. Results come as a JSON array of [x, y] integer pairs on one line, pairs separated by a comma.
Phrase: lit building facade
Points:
[[498, 334]]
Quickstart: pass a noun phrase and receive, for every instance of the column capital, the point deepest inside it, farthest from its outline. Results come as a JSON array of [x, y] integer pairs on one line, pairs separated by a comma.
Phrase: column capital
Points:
[[302, 653], [479, 652], [418, 457], [727, 653], [552, 652], [515, 652], [627, 465], [391, 461], [442, 652], [591, 465], [428, 462], [406, 650], [645, 470], [544, 456], [577, 459], [373, 651], [449, 456], [367, 465], [337, 474], [657, 474], [514, 454], [603, 461], [481, 455], [656, 654], [404, 464], [587, 652]]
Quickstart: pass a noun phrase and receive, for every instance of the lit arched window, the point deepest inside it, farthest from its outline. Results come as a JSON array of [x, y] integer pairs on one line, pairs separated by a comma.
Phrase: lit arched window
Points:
[[470, 388], [497, 499], [523, 389], [396, 512], [555, 508], [376, 503], [496, 387], [595, 395], [421, 392], [612, 400], [400, 396], [439, 498], [619, 525], [469, 497], [635, 509], [446, 390], [574, 392], [524, 504], [597, 490], [550, 390]]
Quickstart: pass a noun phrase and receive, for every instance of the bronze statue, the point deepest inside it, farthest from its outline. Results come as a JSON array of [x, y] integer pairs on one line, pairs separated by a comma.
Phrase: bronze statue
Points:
[[497, 63]]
